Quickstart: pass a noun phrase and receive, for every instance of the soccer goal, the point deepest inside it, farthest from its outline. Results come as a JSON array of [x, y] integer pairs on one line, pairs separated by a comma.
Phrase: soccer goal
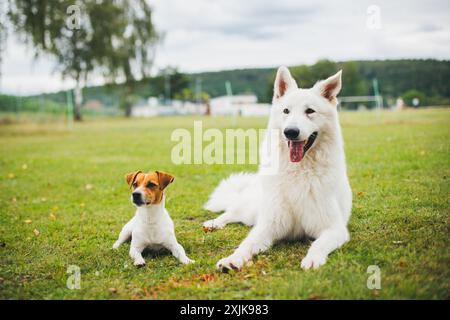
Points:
[[361, 102]]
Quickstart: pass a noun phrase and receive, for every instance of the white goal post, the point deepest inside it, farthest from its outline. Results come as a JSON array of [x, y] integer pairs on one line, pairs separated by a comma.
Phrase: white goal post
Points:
[[377, 99]]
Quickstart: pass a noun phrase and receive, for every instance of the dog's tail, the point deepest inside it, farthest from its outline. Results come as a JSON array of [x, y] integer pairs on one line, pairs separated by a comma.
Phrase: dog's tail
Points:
[[228, 191]]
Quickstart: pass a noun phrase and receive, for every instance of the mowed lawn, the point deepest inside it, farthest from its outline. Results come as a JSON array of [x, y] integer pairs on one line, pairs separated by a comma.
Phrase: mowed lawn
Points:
[[63, 201]]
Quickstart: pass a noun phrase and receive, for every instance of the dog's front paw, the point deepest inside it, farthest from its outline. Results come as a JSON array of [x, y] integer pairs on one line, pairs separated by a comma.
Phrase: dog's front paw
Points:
[[211, 225], [116, 245], [139, 262], [234, 262], [186, 260], [313, 261]]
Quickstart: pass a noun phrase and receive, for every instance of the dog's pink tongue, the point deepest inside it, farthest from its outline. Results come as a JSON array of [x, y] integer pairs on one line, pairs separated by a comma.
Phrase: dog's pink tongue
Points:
[[296, 150]]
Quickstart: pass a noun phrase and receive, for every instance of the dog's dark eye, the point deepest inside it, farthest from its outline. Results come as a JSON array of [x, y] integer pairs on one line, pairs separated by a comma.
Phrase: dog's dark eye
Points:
[[151, 185], [309, 111], [286, 111], [134, 185]]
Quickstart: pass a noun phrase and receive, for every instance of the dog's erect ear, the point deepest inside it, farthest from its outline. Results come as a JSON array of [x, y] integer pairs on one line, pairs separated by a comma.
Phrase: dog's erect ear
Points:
[[131, 177], [164, 179], [329, 88], [283, 83]]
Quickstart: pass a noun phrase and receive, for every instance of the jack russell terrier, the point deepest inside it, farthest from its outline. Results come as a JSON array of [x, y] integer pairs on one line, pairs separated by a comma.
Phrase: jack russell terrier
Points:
[[151, 227]]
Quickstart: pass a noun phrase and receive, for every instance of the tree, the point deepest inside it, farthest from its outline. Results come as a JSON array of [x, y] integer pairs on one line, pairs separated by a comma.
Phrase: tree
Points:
[[3, 35], [409, 96], [353, 83], [169, 83], [322, 69], [114, 38]]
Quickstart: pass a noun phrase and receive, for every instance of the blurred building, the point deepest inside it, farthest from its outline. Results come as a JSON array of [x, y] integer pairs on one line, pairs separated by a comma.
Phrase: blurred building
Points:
[[244, 105]]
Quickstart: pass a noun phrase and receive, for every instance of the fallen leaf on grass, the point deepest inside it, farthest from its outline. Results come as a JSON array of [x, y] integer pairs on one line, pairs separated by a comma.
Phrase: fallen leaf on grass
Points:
[[28, 221], [11, 175], [52, 217], [207, 277], [112, 290], [24, 166], [89, 186], [36, 232]]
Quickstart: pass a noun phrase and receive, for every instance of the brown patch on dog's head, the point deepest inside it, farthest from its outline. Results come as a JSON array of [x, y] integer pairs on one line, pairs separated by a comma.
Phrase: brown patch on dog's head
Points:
[[148, 187], [164, 179], [131, 177]]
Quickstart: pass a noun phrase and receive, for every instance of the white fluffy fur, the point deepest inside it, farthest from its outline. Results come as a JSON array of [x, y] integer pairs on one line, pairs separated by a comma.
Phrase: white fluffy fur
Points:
[[311, 198], [151, 227]]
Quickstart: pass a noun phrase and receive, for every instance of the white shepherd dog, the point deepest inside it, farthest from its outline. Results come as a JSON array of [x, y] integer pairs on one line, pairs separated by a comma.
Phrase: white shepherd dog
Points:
[[309, 195]]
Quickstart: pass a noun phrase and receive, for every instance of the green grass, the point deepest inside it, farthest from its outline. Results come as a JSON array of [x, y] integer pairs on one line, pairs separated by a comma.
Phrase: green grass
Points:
[[399, 168]]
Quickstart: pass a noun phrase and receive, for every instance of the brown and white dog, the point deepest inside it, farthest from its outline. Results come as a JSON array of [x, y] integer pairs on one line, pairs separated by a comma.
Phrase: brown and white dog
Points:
[[151, 227]]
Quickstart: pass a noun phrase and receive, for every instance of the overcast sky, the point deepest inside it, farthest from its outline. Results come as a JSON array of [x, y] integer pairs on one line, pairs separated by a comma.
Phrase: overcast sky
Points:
[[203, 35]]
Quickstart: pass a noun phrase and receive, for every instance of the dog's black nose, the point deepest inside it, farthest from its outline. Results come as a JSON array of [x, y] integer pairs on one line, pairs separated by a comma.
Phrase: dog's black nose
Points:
[[291, 132], [137, 197]]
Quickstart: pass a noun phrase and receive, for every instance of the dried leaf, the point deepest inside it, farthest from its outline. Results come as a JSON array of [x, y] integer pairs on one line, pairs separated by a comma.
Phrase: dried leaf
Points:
[[206, 230], [89, 186], [207, 277], [28, 221], [36, 232], [361, 194]]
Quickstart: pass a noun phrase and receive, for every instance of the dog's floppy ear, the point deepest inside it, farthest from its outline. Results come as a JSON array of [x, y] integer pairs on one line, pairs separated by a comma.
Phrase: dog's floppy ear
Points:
[[164, 179], [283, 83], [131, 177], [329, 88]]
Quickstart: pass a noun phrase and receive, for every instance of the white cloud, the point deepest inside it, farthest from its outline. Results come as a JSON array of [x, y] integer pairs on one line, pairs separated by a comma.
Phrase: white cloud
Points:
[[224, 34]]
